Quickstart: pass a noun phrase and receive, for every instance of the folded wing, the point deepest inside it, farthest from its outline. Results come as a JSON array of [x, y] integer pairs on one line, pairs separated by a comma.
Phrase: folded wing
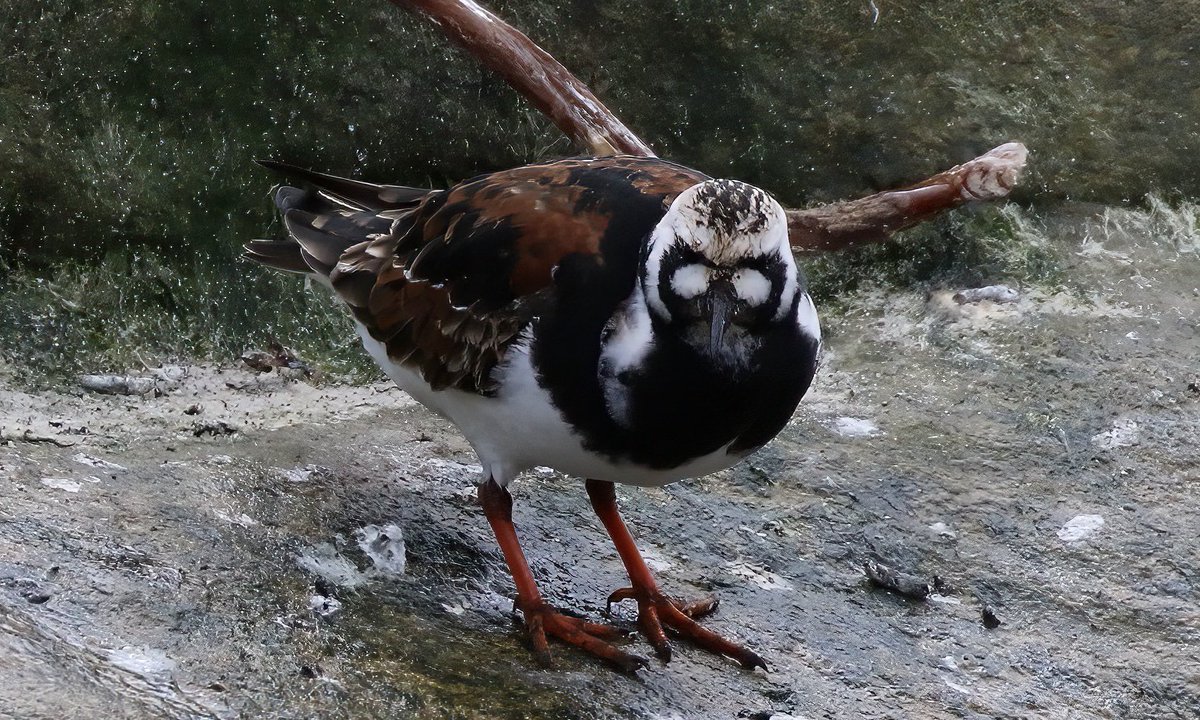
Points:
[[448, 279]]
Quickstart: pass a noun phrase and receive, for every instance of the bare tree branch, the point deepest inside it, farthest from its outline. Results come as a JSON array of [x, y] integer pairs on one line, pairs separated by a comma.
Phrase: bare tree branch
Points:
[[582, 117], [990, 176], [534, 73]]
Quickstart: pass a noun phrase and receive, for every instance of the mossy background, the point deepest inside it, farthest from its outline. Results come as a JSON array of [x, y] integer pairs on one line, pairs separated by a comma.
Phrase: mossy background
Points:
[[127, 130]]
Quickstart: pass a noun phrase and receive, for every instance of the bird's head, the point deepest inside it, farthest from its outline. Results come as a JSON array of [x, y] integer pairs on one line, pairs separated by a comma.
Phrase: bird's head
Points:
[[719, 270]]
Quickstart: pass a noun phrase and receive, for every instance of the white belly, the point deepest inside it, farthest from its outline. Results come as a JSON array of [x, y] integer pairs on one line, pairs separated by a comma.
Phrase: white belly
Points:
[[519, 428]]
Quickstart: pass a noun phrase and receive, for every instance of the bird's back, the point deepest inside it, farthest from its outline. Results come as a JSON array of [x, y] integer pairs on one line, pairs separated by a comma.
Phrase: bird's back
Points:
[[448, 279]]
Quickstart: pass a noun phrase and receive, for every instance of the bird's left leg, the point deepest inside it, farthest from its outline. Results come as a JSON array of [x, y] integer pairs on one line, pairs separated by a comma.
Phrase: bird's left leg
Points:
[[655, 608], [541, 619]]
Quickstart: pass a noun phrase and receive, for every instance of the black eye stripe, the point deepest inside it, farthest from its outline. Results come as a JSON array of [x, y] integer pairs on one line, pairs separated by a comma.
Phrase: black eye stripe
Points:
[[758, 262], [772, 269], [678, 257]]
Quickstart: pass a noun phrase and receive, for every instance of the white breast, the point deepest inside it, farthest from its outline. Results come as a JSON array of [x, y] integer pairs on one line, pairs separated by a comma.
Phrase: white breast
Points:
[[519, 428], [806, 317], [627, 341]]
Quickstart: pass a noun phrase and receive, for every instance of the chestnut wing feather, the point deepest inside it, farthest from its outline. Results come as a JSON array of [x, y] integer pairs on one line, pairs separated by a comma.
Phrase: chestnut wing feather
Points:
[[455, 280]]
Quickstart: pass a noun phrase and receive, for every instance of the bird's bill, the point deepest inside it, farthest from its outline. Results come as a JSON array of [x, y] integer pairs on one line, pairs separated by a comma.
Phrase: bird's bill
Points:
[[721, 302]]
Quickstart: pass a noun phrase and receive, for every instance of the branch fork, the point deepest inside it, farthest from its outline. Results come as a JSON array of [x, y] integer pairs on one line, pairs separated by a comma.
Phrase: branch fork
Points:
[[575, 110]]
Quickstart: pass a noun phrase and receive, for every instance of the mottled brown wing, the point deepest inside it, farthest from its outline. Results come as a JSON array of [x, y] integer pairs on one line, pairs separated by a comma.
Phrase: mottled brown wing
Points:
[[454, 281]]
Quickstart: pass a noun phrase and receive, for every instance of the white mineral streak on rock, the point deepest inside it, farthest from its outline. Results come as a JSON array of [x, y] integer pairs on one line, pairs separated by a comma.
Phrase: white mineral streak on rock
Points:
[[90, 461], [854, 427], [325, 562], [758, 575], [241, 519], [162, 380], [384, 545], [995, 293], [146, 661], [956, 686], [655, 560], [64, 484], [943, 530], [324, 606], [1080, 528], [1123, 433]]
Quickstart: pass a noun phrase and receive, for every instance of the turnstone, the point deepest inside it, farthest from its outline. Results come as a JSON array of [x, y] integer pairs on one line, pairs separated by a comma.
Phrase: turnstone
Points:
[[618, 319]]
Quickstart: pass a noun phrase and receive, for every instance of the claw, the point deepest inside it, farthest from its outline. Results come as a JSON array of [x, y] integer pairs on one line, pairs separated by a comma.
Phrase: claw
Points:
[[663, 651], [632, 663], [653, 630], [751, 660]]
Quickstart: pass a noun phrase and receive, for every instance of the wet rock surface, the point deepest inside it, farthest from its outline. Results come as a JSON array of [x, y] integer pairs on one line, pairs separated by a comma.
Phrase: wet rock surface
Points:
[[1036, 461]]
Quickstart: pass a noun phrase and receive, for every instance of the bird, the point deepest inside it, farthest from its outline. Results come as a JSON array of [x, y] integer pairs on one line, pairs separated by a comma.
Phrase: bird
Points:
[[618, 319]]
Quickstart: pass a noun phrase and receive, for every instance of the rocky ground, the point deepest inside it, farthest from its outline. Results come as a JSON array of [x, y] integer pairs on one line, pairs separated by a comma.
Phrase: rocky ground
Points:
[[230, 544]]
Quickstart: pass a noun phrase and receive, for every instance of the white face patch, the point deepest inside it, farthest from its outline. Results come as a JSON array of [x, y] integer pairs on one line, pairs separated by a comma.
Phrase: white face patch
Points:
[[752, 286], [726, 222], [691, 280]]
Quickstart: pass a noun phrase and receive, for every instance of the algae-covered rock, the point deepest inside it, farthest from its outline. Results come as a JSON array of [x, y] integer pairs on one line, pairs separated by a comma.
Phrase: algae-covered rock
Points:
[[133, 124], [127, 131]]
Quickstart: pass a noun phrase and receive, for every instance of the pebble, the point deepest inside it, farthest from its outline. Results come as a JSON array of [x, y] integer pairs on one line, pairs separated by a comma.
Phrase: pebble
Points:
[[995, 293], [324, 606]]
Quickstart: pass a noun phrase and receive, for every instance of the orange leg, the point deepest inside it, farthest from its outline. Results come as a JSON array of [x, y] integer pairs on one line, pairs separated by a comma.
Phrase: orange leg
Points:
[[655, 609], [540, 618]]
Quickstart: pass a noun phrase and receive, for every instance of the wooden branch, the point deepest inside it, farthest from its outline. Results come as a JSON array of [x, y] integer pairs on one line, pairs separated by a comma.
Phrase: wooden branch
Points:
[[540, 78], [575, 110], [990, 176]]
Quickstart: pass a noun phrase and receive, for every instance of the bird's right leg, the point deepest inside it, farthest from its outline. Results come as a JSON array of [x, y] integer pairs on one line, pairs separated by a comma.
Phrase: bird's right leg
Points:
[[540, 618]]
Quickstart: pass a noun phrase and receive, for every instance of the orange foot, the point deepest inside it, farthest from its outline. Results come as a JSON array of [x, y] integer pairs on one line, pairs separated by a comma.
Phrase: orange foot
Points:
[[656, 609], [542, 620]]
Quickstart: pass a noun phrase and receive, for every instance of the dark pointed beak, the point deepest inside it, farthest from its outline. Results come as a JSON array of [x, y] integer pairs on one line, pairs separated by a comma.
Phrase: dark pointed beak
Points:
[[721, 298]]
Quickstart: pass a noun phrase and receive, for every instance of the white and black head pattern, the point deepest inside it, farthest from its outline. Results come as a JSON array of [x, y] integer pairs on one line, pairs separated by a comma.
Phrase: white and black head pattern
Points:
[[719, 270]]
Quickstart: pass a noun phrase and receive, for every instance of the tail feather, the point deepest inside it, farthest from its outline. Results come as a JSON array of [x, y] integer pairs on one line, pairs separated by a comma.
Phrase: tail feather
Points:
[[279, 254], [319, 247], [322, 222], [352, 193], [287, 198]]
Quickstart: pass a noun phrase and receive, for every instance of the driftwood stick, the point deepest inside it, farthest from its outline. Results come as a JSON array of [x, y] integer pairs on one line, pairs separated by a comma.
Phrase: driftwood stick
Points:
[[540, 78], [990, 176], [582, 117]]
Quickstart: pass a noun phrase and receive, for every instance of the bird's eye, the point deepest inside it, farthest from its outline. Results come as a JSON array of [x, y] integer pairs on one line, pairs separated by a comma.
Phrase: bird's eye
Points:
[[690, 280], [751, 286]]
